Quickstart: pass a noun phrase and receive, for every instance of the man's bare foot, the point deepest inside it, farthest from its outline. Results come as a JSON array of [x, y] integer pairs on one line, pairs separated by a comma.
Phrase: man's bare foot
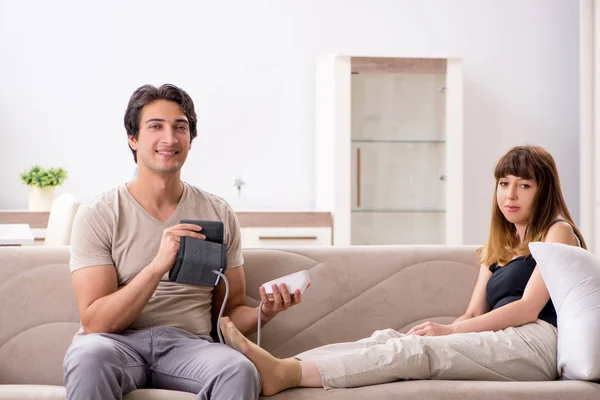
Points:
[[276, 374]]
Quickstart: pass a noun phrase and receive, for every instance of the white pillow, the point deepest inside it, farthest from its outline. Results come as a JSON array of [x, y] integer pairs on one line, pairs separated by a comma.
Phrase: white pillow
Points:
[[572, 276]]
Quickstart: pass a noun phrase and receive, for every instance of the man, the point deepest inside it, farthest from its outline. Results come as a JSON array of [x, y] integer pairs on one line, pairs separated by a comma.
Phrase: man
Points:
[[138, 329]]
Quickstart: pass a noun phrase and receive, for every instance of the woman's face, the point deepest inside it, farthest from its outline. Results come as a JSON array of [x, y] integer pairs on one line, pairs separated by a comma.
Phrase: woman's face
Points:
[[515, 198]]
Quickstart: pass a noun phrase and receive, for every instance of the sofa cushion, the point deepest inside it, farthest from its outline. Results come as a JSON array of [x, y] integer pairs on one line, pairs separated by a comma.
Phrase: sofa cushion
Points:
[[453, 390], [413, 390], [50, 392], [572, 276], [18, 352], [32, 392]]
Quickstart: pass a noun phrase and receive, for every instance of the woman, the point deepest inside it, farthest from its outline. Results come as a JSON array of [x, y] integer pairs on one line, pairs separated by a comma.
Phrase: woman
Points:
[[509, 329]]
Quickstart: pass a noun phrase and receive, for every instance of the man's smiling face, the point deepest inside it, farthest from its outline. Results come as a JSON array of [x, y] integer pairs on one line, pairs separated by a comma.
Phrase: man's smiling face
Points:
[[163, 141]]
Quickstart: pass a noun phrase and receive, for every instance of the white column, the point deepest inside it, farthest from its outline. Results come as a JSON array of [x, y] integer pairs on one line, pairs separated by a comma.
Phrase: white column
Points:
[[588, 107], [332, 181], [454, 152]]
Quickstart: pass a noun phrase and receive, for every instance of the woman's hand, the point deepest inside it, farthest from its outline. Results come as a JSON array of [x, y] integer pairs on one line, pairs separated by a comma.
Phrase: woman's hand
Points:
[[432, 329]]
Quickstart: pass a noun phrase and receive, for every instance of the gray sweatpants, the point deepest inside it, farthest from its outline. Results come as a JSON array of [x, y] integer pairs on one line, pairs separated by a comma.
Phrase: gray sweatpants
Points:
[[526, 353], [107, 366]]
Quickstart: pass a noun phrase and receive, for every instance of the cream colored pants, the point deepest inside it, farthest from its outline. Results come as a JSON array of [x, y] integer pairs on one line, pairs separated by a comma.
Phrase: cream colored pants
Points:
[[526, 353]]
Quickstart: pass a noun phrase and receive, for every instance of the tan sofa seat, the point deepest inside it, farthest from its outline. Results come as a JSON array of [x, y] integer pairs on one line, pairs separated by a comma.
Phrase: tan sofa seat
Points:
[[50, 392], [354, 292]]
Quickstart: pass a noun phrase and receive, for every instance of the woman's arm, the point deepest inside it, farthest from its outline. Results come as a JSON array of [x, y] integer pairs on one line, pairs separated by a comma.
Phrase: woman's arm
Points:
[[514, 314], [535, 296], [477, 306], [479, 303]]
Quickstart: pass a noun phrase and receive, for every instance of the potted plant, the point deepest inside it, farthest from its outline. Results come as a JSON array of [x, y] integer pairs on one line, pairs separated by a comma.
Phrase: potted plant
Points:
[[42, 184]]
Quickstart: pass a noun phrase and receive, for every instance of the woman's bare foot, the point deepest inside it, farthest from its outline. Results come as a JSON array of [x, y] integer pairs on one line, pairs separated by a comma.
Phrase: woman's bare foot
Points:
[[276, 374]]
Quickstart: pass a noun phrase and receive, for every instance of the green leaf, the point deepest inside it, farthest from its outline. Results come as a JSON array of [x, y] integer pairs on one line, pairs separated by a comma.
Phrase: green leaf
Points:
[[41, 177]]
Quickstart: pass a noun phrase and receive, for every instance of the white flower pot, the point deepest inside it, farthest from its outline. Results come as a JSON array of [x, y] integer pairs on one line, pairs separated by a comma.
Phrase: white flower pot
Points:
[[40, 199]]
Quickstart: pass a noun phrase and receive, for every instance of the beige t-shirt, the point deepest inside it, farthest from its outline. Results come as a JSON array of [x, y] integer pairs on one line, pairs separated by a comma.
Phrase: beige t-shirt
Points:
[[114, 229]]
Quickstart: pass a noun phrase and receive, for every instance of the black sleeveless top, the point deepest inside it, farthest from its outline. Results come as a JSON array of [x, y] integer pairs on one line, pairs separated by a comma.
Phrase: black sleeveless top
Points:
[[508, 282]]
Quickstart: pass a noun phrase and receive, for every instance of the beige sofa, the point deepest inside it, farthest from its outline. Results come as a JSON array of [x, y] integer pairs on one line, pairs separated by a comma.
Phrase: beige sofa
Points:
[[354, 291]]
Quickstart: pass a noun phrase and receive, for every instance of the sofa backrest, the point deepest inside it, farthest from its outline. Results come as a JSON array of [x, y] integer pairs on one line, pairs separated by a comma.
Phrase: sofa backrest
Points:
[[354, 291], [38, 313]]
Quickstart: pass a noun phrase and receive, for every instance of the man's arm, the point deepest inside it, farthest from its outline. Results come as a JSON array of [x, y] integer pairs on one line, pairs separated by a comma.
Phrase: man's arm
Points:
[[103, 307], [244, 317]]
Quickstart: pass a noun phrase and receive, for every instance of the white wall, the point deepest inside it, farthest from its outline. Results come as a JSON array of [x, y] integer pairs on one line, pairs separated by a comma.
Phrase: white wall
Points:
[[67, 69]]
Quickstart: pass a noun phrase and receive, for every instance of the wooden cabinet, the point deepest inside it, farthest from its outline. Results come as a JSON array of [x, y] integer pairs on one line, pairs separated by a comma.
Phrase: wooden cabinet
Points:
[[259, 228], [37, 221], [285, 228], [267, 237]]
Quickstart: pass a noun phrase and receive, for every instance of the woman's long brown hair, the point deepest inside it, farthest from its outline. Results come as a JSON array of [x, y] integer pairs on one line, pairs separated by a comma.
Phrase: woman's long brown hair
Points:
[[535, 163]]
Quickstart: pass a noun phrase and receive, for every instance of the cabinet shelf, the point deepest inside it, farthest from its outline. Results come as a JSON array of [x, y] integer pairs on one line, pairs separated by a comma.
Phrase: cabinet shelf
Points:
[[397, 141], [391, 210]]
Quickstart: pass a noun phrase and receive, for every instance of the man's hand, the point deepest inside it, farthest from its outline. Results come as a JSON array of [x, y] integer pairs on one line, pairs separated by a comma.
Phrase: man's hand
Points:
[[280, 301], [169, 246], [431, 329]]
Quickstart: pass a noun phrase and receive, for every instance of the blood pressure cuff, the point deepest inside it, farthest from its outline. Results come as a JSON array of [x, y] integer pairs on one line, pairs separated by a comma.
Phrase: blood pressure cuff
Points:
[[197, 259]]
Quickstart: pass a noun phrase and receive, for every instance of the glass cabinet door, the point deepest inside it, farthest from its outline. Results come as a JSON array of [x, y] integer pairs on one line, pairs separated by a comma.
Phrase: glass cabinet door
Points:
[[398, 106], [388, 228], [406, 176], [398, 159]]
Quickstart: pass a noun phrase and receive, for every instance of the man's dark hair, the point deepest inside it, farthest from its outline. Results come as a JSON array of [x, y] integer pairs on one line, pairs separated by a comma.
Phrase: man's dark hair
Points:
[[147, 94]]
